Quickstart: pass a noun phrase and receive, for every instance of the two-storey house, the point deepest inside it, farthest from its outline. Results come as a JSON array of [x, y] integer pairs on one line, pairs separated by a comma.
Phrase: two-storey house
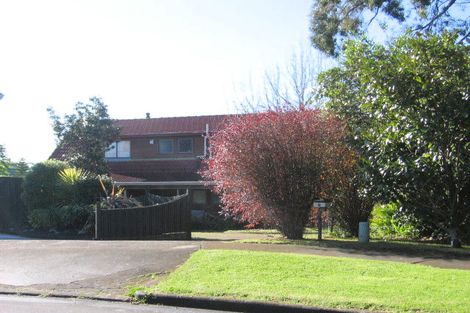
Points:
[[163, 156]]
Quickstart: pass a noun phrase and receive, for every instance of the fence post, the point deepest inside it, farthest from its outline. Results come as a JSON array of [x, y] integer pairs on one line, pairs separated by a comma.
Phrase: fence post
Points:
[[188, 213], [97, 223]]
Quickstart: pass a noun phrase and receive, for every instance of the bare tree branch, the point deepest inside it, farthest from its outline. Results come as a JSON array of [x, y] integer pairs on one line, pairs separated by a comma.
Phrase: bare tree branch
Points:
[[438, 15], [288, 87]]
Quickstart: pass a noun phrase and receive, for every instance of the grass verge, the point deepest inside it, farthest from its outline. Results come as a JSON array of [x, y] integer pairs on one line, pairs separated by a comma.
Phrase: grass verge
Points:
[[320, 281]]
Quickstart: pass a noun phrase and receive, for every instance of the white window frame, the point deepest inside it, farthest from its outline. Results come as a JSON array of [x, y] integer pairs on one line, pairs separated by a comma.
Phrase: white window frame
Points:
[[117, 150]]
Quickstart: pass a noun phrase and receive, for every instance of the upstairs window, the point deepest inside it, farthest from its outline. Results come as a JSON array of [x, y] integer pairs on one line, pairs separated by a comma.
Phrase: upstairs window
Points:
[[118, 150], [185, 145], [165, 146]]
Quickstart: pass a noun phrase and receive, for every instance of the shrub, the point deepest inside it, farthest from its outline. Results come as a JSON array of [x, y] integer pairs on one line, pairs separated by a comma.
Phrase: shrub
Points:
[[60, 197], [388, 222], [77, 186], [73, 216], [43, 219], [271, 166], [40, 185], [209, 222], [350, 206], [68, 217]]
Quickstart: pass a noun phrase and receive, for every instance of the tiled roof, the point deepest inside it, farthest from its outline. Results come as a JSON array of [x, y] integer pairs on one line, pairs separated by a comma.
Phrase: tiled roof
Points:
[[169, 125], [158, 170]]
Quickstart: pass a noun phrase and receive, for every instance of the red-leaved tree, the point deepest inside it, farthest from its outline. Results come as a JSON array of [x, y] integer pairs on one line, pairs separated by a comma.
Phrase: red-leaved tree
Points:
[[270, 166]]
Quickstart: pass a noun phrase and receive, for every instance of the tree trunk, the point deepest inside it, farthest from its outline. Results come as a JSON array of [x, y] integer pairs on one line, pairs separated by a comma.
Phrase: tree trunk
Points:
[[292, 228], [454, 238], [293, 232]]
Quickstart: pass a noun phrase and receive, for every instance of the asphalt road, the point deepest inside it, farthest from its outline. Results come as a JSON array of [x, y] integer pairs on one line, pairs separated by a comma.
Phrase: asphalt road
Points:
[[20, 304]]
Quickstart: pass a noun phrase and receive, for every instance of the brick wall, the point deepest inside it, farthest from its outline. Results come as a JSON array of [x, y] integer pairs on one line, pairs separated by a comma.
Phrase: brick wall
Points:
[[142, 148]]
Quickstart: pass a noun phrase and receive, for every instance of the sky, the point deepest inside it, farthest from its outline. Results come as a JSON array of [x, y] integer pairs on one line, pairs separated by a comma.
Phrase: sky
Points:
[[165, 57]]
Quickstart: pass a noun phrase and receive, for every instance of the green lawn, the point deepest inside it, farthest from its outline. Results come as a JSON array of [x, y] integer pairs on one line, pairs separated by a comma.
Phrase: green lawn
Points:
[[321, 281]]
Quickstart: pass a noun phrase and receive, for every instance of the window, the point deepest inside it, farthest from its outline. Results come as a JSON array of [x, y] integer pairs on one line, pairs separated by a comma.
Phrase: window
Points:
[[119, 149], [199, 197], [123, 149], [185, 145], [165, 145]]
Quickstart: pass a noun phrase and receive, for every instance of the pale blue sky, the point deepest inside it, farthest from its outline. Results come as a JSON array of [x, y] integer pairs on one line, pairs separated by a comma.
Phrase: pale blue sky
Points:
[[169, 58]]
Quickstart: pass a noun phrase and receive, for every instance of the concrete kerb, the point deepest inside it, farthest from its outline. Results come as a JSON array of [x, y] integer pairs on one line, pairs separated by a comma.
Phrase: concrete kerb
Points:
[[207, 303], [210, 303], [61, 296]]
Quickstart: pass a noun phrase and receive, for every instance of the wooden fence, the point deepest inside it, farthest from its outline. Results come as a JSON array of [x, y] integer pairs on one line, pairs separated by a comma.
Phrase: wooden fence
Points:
[[171, 220], [11, 207]]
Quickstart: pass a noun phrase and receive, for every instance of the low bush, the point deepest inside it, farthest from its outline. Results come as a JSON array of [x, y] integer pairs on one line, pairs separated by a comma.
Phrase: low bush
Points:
[[74, 216], [210, 222], [42, 219], [69, 217]]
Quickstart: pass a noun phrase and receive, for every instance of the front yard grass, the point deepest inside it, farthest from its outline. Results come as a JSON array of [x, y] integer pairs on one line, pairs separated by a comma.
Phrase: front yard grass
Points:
[[320, 281]]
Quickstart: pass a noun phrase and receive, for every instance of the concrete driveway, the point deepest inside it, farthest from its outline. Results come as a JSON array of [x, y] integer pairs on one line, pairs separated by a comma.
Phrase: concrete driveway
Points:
[[86, 268]]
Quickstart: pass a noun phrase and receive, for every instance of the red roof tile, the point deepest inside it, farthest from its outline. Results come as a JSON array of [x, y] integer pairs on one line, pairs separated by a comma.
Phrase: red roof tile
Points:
[[169, 125]]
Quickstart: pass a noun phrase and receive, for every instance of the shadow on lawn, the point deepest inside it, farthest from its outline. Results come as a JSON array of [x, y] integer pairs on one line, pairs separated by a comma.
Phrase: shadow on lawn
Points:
[[375, 248]]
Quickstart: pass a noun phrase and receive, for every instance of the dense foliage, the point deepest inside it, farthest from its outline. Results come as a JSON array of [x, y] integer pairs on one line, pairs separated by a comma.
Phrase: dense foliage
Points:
[[271, 166], [59, 197], [86, 135], [387, 222], [407, 108], [334, 21], [67, 217], [40, 185]]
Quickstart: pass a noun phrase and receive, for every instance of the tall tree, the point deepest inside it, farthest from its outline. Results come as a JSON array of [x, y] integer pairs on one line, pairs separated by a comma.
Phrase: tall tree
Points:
[[86, 135], [407, 107], [21, 168], [334, 21], [4, 162]]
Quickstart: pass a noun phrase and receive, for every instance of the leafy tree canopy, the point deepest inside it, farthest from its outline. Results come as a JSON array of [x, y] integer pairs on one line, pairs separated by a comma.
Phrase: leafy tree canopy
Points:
[[332, 21], [407, 106], [86, 135]]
